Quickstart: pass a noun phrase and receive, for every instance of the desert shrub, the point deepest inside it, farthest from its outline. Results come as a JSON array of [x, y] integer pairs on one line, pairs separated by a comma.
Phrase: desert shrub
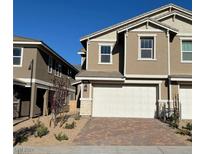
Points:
[[61, 136], [188, 126], [174, 125], [184, 132], [41, 129], [77, 117], [22, 138], [70, 126]]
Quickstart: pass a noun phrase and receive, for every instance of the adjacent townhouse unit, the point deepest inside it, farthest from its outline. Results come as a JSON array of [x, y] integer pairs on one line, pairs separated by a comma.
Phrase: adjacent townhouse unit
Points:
[[35, 68], [134, 67]]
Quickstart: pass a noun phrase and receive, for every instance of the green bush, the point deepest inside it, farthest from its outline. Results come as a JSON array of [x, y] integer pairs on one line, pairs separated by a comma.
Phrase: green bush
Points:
[[184, 132], [41, 129], [61, 136], [70, 126]]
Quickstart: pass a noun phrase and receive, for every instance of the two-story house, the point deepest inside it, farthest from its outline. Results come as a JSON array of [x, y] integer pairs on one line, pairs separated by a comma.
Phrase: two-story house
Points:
[[35, 68], [132, 67]]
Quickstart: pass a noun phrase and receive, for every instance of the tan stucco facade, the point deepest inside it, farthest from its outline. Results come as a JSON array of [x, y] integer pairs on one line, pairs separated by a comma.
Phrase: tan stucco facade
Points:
[[176, 66], [146, 67], [23, 71], [94, 53]]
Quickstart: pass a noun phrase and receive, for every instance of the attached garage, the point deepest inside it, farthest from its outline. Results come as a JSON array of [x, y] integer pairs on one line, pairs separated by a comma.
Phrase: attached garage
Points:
[[185, 96], [124, 101]]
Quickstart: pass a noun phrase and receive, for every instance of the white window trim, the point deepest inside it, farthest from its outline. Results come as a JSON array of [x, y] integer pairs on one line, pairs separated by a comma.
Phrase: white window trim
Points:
[[99, 52], [139, 47], [21, 61], [50, 59], [184, 39], [59, 71]]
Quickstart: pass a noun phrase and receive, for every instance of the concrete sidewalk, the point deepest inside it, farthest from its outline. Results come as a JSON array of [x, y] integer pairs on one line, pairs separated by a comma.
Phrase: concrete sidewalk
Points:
[[103, 150]]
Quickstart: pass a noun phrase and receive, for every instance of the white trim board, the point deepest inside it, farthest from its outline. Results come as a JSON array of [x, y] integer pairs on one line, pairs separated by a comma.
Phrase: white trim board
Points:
[[143, 81], [37, 81], [146, 30], [145, 76], [99, 78], [181, 79], [103, 40], [86, 99], [147, 21], [99, 53], [174, 14], [21, 62]]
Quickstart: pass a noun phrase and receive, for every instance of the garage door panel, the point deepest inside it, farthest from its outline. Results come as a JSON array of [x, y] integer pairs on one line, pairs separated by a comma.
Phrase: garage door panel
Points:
[[127, 101]]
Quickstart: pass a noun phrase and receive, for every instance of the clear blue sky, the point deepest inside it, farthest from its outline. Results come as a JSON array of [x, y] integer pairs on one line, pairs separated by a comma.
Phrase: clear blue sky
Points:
[[61, 23]]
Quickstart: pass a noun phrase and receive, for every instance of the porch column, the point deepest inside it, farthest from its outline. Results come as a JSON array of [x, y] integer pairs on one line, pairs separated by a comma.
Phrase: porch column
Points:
[[45, 103], [33, 99]]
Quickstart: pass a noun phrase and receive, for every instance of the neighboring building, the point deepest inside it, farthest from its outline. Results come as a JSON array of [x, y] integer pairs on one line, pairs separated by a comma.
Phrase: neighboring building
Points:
[[35, 65], [134, 67]]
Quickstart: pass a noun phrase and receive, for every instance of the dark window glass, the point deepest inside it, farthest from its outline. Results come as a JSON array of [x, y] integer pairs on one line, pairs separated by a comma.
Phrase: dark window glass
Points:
[[105, 58], [105, 49]]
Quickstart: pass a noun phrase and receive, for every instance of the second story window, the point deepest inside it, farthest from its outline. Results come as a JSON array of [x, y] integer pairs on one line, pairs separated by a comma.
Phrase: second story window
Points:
[[186, 51], [50, 64], [146, 48], [69, 72], [58, 69], [17, 56], [105, 54]]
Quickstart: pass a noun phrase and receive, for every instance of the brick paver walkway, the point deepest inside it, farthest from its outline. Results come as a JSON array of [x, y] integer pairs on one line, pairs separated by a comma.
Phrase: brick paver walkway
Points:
[[127, 131]]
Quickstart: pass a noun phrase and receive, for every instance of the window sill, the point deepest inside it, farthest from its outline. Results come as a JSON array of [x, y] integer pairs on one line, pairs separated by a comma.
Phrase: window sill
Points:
[[17, 65], [186, 62], [105, 63], [146, 59]]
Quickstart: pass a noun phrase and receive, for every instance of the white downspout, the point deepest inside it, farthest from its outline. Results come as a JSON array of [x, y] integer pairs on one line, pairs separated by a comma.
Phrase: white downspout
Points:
[[125, 51]]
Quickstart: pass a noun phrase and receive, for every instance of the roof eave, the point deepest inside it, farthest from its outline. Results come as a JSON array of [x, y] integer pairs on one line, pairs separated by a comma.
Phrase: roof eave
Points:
[[151, 21], [84, 38]]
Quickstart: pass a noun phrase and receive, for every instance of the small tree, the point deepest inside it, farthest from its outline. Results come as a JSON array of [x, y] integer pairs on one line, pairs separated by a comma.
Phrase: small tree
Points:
[[58, 99]]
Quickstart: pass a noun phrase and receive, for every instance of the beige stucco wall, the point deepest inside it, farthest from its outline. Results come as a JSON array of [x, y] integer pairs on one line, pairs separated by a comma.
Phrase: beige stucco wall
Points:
[[176, 66], [111, 36], [146, 67], [23, 71], [164, 90], [93, 57], [42, 67], [174, 87], [181, 24]]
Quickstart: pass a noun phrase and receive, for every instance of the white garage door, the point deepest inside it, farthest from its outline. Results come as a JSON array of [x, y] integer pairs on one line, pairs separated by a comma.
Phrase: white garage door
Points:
[[126, 101], [186, 102]]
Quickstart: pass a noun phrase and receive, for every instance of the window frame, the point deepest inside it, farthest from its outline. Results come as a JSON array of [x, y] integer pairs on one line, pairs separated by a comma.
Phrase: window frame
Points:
[[59, 67], [99, 53], [50, 59], [154, 46], [181, 54], [21, 57]]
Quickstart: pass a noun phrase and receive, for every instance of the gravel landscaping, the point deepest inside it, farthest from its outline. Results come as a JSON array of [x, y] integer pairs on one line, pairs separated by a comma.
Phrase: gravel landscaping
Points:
[[50, 139]]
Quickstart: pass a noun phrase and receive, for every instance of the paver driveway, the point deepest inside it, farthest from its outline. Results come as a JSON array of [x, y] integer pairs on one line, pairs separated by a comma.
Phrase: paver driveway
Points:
[[127, 131]]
